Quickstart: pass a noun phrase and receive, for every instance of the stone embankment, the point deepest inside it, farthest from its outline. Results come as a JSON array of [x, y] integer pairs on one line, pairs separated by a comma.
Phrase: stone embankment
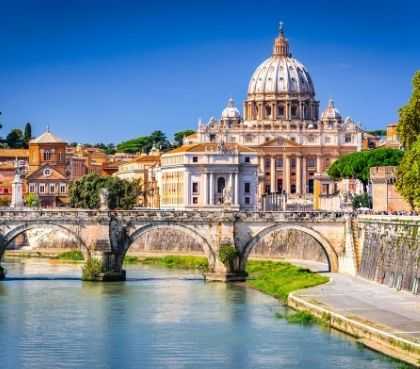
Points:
[[379, 317]]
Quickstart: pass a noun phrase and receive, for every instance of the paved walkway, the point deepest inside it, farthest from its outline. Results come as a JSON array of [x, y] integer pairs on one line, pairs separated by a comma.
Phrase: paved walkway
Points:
[[397, 312]]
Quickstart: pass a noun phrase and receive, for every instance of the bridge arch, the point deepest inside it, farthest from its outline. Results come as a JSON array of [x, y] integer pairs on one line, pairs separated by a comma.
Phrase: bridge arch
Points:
[[330, 253], [190, 231], [11, 234]]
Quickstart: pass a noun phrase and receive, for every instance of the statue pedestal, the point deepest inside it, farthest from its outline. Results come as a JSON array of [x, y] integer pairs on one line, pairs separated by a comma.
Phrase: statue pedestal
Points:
[[17, 192]]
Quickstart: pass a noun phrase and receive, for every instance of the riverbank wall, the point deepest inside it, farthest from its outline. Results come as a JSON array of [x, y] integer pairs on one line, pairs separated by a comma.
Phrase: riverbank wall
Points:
[[367, 333], [390, 251]]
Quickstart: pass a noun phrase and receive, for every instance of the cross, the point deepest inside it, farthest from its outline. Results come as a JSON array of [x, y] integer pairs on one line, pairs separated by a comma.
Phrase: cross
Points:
[[281, 27]]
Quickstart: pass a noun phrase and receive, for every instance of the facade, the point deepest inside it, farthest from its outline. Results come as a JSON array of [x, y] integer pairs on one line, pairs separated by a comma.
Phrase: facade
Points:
[[48, 176], [144, 169], [283, 125], [385, 196], [209, 175]]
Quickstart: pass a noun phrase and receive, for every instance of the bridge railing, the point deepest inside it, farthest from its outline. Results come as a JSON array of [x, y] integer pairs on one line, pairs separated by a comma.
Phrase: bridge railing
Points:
[[169, 214]]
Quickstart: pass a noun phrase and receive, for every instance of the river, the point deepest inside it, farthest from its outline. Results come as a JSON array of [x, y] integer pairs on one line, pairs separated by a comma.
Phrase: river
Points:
[[157, 319]]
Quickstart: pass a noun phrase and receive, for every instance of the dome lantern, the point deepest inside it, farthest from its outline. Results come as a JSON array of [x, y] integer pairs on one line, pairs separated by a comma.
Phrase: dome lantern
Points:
[[281, 45]]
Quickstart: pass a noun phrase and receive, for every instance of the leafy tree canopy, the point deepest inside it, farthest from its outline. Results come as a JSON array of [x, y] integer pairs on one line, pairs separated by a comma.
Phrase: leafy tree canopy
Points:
[[357, 164], [409, 123], [378, 132], [408, 182], [15, 139], [179, 136], [84, 192], [145, 143]]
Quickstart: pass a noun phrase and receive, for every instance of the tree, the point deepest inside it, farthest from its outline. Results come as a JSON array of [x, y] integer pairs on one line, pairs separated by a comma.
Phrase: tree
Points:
[[408, 181], [27, 134], [145, 143], [32, 200], [84, 192], [409, 123], [357, 164], [179, 136], [15, 139]]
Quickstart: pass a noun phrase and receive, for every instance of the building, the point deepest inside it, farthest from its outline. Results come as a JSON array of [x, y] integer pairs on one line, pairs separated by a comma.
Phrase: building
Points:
[[282, 124], [385, 196], [209, 176], [143, 169], [49, 175]]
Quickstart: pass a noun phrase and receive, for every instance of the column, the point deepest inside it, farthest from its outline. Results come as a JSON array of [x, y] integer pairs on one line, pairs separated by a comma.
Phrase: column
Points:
[[230, 187], [261, 177], [304, 179], [205, 190], [236, 189], [318, 164], [273, 111], [286, 173], [211, 191], [298, 175], [273, 175]]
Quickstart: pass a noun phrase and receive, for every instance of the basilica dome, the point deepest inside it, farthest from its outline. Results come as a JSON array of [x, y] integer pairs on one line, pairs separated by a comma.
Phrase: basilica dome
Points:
[[281, 73], [231, 111]]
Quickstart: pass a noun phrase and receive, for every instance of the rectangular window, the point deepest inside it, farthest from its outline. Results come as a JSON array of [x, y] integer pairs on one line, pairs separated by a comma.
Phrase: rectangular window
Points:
[[52, 188], [31, 187], [247, 200], [247, 188], [195, 200], [347, 138], [267, 163], [195, 159], [41, 188], [279, 163], [325, 188], [247, 159], [62, 188], [311, 163], [195, 187]]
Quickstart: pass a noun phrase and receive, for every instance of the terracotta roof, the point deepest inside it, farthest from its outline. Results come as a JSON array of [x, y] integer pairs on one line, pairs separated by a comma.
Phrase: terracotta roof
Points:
[[14, 153], [47, 137], [192, 135], [210, 146], [145, 158]]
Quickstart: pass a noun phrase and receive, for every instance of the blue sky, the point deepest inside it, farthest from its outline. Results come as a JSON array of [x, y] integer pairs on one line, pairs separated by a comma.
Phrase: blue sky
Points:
[[105, 71]]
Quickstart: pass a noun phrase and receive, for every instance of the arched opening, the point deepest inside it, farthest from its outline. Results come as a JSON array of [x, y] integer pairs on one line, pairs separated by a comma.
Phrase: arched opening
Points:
[[221, 183], [48, 246], [172, 239], [297, 244]]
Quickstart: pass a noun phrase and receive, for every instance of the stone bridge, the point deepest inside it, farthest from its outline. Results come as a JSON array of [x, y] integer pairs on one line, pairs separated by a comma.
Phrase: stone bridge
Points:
[[108, 235]]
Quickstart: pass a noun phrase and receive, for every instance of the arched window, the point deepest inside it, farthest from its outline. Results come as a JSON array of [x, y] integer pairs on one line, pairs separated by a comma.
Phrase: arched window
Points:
[[221, 184], [47, 155], [267, 111]]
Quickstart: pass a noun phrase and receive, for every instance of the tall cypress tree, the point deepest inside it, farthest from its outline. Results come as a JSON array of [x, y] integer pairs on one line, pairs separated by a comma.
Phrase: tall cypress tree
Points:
[[27, 134]]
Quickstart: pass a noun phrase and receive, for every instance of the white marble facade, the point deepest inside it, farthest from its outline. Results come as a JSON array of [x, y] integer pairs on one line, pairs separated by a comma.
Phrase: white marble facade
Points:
[[209, 176]]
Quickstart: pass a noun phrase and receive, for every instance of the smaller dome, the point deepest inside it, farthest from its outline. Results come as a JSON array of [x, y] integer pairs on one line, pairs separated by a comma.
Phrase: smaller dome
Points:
[[231, 111], [331, 112]]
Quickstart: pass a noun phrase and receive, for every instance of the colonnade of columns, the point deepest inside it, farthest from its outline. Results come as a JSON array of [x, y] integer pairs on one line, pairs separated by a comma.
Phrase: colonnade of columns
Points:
[[210, 188], [304, 110], [300, 170]]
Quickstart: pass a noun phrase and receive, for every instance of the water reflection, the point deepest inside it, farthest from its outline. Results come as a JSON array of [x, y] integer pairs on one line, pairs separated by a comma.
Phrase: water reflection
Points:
[[164, 319]]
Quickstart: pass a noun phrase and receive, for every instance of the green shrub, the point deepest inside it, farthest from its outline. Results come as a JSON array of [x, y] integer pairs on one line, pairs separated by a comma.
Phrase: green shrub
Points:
[[91, 269], [361, 201], [178, 262], [278, 279], [32, 200], [74, 255], [129, 259], [227, 254], [2, 272]]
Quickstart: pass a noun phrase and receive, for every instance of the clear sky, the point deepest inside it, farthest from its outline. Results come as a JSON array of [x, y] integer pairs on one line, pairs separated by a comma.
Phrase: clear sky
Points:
[[104, 71]]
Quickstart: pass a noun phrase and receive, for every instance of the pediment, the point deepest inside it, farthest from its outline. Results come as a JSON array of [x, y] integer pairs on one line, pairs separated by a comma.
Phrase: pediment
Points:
[[280, 141], [46, 172]]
